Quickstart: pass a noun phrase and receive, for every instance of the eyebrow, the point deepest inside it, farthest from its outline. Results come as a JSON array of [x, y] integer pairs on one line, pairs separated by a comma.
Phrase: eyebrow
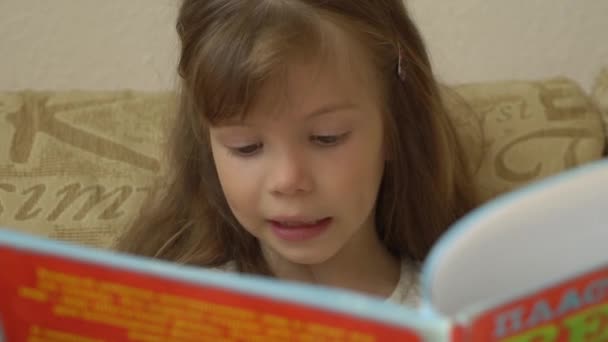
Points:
[[331, 108]]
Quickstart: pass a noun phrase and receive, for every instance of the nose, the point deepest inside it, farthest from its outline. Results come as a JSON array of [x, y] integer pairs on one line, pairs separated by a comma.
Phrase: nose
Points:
[[290, 174]]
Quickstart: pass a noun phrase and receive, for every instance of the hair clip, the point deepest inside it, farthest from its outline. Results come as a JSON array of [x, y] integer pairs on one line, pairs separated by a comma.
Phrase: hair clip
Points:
[[401, 64]]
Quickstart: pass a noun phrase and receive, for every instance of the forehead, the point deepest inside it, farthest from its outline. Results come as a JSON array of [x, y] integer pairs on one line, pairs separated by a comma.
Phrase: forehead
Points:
[[340, 72]]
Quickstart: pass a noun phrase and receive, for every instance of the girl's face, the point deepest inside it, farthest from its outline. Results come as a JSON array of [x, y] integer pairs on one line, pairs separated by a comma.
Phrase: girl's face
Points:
[[302, 171]]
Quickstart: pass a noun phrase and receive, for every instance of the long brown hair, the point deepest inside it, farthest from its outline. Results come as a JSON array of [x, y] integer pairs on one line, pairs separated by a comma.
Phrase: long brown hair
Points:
[[229, 48]]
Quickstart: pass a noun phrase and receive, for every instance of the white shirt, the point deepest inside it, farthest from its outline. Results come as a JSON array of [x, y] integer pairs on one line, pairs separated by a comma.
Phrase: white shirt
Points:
[[407, 291]]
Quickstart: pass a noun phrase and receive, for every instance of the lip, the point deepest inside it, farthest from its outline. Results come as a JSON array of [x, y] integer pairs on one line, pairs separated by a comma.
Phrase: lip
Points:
[[299, 229]]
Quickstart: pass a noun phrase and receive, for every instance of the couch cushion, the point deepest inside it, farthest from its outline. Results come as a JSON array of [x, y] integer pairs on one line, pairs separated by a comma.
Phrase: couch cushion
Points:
[[600, 98], [528, 131], [76, 165]]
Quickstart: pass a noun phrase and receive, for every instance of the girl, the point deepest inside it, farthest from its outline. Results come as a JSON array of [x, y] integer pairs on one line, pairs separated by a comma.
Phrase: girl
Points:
[[310, 144]]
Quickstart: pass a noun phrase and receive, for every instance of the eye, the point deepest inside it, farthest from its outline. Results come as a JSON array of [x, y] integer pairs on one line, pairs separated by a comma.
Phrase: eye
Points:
[[247, 151], [328, 140]]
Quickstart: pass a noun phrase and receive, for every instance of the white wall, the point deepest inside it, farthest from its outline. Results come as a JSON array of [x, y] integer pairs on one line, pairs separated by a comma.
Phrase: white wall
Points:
[[93, 44], [476, 40], [112, 44]]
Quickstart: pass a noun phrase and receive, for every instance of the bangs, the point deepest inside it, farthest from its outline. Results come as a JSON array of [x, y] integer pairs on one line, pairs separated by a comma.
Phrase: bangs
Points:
[[250, 47]]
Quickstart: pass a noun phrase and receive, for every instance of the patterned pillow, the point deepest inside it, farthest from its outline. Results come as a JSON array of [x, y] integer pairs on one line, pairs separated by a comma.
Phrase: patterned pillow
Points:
[[527, 131], [76, 165], [600, 97]]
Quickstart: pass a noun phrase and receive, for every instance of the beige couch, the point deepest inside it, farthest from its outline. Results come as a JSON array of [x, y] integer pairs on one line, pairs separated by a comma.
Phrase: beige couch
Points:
[[76, 165]]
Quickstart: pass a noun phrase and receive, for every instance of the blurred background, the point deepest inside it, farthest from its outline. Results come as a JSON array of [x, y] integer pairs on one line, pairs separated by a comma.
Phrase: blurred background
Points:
[[118, 44]]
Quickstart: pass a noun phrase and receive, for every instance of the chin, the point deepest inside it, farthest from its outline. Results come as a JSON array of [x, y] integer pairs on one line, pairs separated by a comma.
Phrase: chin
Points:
[[308, 257]]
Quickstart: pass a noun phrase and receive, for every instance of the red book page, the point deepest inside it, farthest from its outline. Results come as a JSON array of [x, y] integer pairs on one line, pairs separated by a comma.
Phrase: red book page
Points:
[[575, 310], [45, 298], [458, 333]]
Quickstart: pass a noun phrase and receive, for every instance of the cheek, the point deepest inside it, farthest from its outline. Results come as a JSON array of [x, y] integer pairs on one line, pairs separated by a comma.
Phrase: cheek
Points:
[[356, 174], [238, 185], [226, 172], [229, 179]]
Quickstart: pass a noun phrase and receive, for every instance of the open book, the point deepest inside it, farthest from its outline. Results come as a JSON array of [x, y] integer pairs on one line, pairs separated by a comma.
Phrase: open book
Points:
[[531, 265]]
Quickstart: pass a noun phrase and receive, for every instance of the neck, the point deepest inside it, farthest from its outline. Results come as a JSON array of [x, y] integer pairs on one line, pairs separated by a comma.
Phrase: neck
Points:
[[362, 265]]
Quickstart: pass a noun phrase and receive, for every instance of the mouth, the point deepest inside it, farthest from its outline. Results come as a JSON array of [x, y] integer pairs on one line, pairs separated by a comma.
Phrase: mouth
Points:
[[299, 230], [287, 223]]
